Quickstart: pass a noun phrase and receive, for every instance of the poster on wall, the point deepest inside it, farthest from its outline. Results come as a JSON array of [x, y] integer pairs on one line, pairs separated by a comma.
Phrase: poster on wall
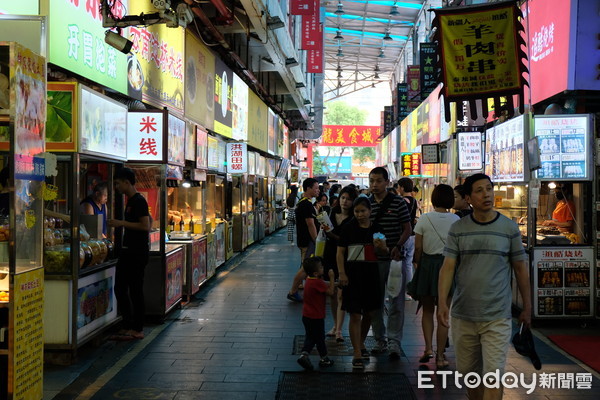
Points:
[[61, 117], [176, 138], [562, 281], [223, 99], [565, 149], [507, 149], [470, 156]]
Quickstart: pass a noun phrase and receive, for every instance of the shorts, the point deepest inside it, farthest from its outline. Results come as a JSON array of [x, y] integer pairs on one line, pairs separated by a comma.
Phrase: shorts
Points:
[[362, 295], [480, 346]]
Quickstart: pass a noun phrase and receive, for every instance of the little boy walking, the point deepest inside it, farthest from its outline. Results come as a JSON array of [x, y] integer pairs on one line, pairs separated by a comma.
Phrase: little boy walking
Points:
[[313, 311]]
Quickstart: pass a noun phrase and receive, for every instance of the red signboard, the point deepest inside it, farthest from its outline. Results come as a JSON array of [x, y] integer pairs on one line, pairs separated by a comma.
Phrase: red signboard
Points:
[[350, 135], [312, 32], [314, 61], [415, 167], [303, 7]]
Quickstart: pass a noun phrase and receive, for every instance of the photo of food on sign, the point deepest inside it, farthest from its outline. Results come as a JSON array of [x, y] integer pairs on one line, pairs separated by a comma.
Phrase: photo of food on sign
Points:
[[135, 76]]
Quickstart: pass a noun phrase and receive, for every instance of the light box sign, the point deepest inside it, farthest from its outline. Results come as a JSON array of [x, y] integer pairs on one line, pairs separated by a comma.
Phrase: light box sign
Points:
[[470, 155], [415, 164], [201, 148], [221, 154], [176, 136], [565, 150], [21, 7], [145, 136], [199, 81], [190, 142], [257, 122], [406, 164], [430, 153], [239, 125], [213, 149], [223, 99], [507, 149], [103, 125], [237, 158], [77, 42], [271, 132], [61, 122], [340, 165]]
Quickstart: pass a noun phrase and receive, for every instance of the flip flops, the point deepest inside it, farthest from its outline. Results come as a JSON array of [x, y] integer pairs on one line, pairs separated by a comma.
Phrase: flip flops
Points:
[[426, 357]]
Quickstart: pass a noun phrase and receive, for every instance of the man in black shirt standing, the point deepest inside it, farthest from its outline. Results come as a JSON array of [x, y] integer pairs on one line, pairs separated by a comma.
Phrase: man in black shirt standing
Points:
[[129, 280], [306, 229]]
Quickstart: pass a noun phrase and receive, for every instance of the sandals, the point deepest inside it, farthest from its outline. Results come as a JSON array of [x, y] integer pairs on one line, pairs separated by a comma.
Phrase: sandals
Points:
[[357, 363], [441, 362], [331, 333], [365, 354], [339, 338], [426, 357]]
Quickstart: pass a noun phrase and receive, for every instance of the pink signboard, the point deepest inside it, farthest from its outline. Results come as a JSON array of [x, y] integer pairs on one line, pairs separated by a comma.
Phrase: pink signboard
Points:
[[174, 278]]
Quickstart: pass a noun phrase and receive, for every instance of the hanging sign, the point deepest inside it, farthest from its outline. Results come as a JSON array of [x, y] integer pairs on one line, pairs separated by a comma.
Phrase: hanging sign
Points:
[[350, 135], [430, 153], [223, 98], [312, 32], [402, 101], [413, 78], [470, 157], [145, 134], [427, 62], [237, 158], [507, 146], [303, 7], [176, 137], [199, 81], [314, 61], [406, 164], [415, 164], [480, 53], [565, 152]]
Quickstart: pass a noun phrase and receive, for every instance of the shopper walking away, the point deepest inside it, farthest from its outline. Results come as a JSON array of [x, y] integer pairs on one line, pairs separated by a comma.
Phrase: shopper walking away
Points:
[[461, 206], [313, 312], [430, 238], [358, 249], [391, 213], [129, 279], [488, 245], [405, 189], [306, 231], [339, 216]]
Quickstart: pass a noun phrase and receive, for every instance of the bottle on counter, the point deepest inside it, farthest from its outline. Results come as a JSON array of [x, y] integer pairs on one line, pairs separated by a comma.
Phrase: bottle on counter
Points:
[[181, 222], [192, 223], [172, 224]]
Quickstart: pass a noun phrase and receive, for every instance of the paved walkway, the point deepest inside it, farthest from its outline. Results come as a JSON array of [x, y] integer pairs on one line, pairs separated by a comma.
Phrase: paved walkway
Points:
[[235, 339]]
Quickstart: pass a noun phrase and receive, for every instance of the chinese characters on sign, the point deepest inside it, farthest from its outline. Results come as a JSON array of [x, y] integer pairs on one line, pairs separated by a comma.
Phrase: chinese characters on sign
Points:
[[388, 124], [470, 156], [430, 153], [427, 62], [237, 158], [350, 135], [414, 86], [145, 132], [303, 7], [402, 101], [406, 164], [312, 32], [415, 164]]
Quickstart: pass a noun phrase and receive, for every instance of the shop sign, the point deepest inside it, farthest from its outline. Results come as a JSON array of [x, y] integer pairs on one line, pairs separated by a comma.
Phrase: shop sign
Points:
[[199, 81], [427, 62], [562, 279], [257, 122], [479, 52], [402, 101], [61, 120], [176, 138], [413, 78], [314, 56], [223, 98], [28, 335], [339, 165], [272, 137], [76, 42], [506, 151], [388, 112], [22, 7], [565, 148], [173, 278], [201, 148], [96, 302], [156, 68], [190, 142], [286, 141], [430, 153], [237, 158], [221, 156], [350, 135], [470, 156], [103, 125], [312, 31], [213, 157], [145, 134], [406, 164], [303, 7], [415, 164], [239, 126]]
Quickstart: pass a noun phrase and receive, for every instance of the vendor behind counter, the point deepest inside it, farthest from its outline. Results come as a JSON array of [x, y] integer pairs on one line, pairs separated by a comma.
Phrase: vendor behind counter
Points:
[[563, 216]]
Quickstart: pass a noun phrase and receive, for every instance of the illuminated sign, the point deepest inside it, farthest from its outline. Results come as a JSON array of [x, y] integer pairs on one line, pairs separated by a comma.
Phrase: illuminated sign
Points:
[[237, 158], [350, 135], [145, 133], [506, 150], [470, 155]]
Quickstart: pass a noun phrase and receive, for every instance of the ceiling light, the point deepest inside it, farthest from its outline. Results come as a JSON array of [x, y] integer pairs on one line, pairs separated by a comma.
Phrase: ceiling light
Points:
[[307, 102], [275, 23], [339, 84], [381, 55], [339, 74], [340, 53], [387, 36], [311, 113], [394, 11], [339, 68], [340, 9], [376, 76], [291, 62], [300, 85], [376, 68], [338, 35]]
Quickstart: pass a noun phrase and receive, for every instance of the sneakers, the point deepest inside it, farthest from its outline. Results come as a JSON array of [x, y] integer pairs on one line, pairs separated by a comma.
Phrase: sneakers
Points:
[[380, 347], [394, 350], [325, 362], [305, 362], [294, 297]]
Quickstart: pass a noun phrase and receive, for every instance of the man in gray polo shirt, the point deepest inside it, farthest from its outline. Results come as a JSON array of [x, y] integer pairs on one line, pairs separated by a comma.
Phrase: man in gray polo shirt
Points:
[[487, 244]]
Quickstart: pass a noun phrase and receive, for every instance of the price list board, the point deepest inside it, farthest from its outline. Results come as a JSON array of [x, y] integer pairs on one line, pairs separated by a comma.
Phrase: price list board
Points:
[[561, 278]]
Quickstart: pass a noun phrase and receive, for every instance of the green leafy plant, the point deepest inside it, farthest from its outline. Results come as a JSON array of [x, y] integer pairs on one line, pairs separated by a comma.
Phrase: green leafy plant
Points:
[[59, 124]]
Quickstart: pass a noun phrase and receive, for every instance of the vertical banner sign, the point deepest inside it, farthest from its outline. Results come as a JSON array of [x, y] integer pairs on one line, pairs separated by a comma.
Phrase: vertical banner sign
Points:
[[28, 353], [469, 151], [414, 86], [303, 7], [223, 99], [174, 278], [312, 30], [237, 158], [427, 63], [314, 61], [387, 119], [480, 54], [415, 164], [406, 164], [145, 133], [402, 101]]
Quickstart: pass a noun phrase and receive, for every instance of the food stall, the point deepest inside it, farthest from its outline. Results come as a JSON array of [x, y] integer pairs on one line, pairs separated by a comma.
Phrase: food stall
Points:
[[237, 165], [155, 153], [215, 205], [563, 261], [260, 194], [22, 133], [250, 198], [87, 133]]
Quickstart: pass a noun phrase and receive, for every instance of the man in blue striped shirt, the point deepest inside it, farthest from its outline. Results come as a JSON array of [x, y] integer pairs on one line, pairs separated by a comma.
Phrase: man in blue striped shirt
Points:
[[487, 244], [390, 211]]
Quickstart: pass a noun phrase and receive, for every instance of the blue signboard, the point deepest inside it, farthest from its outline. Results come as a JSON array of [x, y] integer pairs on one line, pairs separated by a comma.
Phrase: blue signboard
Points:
[[345, 164]]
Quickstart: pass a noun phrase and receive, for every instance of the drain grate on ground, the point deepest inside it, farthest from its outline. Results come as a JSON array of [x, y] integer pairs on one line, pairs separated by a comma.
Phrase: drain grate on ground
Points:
[[334, 348], [342, 385]]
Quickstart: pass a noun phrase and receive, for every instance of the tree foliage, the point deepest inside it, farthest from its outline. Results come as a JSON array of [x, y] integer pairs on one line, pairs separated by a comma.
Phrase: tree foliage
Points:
[[364, 153]]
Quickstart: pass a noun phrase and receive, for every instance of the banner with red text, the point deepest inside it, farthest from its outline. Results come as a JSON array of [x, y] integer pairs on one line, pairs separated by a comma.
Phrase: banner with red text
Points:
[[303, 7], [350, 135], [312, 32]]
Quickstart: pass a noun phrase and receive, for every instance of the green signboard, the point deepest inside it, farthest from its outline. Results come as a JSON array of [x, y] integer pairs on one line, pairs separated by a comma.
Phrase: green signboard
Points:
[[21, 7], [77, 43]]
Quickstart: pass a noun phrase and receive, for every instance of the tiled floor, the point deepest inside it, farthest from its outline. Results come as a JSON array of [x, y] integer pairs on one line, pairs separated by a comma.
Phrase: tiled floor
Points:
[[236, 338]]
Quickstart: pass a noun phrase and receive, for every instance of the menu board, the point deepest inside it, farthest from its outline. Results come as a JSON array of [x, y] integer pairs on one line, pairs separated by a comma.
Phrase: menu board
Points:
[[213, 149], [176, 132], [470, 156], [565, 152], [507, 145], [430, 153], [562, 281]]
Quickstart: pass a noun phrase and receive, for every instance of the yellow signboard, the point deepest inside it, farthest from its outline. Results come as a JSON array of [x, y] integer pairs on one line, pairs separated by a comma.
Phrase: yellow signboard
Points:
[[199, 81], [258, 114], [28, 350]]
